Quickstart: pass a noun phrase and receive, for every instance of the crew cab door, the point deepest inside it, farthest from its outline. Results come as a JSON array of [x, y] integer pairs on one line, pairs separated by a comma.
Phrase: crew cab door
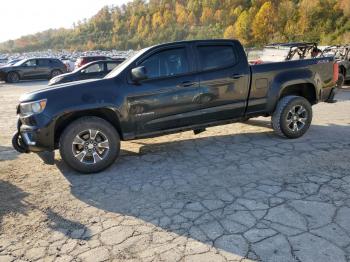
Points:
[[224, 80], [43, 68], [167, 99]]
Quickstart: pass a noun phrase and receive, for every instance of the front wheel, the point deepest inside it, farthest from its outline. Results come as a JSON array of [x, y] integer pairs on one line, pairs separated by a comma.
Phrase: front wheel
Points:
[[13, 77], [89, 144], [292, 117]]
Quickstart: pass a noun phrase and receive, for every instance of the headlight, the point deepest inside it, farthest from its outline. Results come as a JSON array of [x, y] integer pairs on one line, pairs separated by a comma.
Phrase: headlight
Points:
[[32, 108]]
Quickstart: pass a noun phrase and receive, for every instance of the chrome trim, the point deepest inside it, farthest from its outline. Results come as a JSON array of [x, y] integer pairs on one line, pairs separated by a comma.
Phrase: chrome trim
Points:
[[27, 140]]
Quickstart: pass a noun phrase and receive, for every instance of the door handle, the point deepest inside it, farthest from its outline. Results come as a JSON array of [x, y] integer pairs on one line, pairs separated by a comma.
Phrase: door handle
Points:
[[186, 84], [236, 76]]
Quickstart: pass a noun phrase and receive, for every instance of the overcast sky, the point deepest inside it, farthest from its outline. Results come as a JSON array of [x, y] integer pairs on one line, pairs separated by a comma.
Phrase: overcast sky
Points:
[[22, 17]]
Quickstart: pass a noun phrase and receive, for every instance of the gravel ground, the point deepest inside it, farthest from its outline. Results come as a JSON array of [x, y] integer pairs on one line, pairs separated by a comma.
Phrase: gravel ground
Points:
[[234, 193]]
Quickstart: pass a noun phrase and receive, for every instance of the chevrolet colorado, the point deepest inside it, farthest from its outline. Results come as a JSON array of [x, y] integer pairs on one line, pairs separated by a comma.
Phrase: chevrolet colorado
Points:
[[169, 88]]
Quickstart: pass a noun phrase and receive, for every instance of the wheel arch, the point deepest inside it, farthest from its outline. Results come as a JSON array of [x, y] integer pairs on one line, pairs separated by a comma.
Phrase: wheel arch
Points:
[[306, 90], [298, 88], [14, 71], [107, 114]]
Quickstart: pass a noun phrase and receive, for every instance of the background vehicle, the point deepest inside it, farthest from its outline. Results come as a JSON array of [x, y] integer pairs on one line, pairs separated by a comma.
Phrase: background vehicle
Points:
[[34, 68], [3, 61], [278, 52], [14, 61], [170, 88], [87, 59], [97, 69], [342, 55]]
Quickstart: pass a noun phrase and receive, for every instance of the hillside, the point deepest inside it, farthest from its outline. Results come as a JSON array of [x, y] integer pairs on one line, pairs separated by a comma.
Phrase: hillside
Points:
[[254, 22]]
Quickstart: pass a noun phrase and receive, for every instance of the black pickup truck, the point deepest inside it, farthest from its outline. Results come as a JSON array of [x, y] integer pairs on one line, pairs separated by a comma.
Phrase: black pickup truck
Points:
[[169, 88]]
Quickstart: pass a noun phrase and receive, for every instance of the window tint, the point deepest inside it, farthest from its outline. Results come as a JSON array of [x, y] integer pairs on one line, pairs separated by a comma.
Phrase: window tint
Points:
[[111, 66], [95, 68], [43, 62], [167, 63], [216, 56]]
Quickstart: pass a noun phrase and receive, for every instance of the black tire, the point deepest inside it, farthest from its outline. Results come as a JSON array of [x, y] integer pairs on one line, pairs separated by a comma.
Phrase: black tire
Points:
[[55, 73], [18, 144], [283, 120], [13, 77], [67, 147]]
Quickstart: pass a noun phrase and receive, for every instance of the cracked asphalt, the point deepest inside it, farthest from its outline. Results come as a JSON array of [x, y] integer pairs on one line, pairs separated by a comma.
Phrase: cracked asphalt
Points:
[[233, 193]]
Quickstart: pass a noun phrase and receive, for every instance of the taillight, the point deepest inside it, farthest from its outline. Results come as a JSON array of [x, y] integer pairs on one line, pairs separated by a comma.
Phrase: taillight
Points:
[[335, 72]]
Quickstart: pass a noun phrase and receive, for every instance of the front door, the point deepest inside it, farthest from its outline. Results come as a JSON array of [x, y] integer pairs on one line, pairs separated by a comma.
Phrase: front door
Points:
[[167, 99], [224, 81], [29, 69]]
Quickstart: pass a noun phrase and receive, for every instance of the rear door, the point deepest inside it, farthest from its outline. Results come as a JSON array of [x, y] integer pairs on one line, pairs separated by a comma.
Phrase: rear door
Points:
[[43, 68], [224, 80], [167, 99]]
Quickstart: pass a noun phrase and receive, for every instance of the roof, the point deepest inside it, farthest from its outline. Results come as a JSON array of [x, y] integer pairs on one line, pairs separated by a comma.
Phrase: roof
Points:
[[293, 44]]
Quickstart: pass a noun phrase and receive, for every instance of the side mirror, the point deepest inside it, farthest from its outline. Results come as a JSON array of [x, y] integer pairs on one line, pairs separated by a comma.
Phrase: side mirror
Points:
[[83, 71], [138, 74]]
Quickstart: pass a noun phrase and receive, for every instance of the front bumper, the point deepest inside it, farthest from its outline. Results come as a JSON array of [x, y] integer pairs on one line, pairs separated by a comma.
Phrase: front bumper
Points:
[[37, 133]]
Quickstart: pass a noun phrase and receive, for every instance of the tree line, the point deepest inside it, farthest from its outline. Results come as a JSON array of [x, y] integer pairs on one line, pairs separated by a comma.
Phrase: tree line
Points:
[[143, 23]]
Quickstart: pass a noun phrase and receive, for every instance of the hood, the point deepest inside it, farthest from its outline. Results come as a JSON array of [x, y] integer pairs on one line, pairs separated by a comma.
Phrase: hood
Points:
[[60, 90], [66, 76], [4, 67]]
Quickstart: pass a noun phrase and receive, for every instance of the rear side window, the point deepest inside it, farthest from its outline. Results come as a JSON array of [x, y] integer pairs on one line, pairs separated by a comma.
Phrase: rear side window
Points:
[[43, 62], [211, 57], [111, 66], [95, 68], [167, 63]]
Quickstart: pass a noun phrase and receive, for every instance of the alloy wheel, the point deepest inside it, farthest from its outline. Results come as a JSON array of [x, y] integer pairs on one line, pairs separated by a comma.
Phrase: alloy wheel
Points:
[[297, 118], [90, 146]]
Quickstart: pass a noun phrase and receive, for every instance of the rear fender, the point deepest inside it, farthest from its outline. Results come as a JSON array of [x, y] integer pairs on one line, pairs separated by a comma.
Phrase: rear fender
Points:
[[290, 78]]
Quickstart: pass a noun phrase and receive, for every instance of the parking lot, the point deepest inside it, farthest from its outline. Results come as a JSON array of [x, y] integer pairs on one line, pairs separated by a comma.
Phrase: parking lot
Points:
[[233, 193]]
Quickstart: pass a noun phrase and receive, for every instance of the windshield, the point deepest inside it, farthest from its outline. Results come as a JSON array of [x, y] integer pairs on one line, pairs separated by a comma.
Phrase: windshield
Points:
[[20, 62], [116, 71]]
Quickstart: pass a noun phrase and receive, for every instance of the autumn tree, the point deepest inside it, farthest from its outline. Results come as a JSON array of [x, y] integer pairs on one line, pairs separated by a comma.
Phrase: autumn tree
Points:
[[242, 28], [264, 24]]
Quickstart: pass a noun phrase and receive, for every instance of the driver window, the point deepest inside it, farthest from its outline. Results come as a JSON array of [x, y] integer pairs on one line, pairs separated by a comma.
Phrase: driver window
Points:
[[95, 68], [167, 63], [31, 62]]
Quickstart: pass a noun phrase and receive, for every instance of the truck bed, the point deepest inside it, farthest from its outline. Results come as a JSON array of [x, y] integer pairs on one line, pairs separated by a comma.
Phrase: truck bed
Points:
[[268, 79]]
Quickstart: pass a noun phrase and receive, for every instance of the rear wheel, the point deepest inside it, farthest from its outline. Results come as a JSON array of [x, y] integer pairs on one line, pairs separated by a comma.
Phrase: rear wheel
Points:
[[89, 144], [55, 73], [292, 117], [13, 77]]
